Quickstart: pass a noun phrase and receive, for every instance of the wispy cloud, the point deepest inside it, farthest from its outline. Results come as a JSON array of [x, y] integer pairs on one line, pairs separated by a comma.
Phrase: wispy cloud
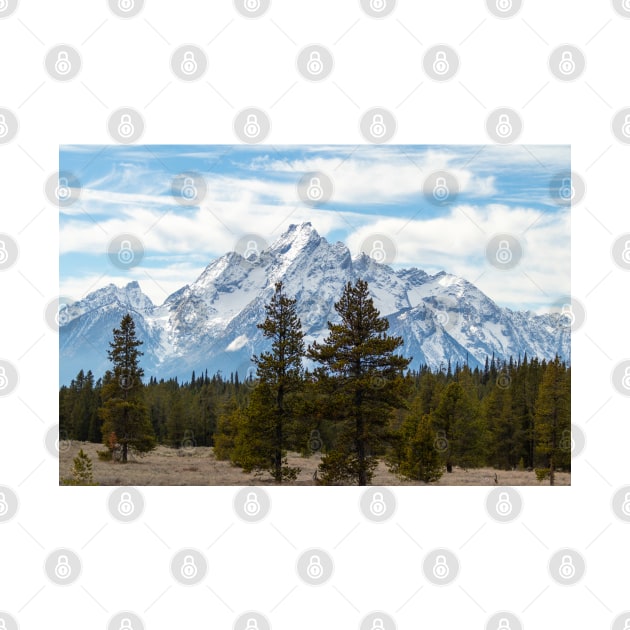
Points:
[[377, 190]]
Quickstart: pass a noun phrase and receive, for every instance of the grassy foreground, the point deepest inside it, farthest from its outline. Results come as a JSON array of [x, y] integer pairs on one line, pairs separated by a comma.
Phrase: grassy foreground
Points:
[[198, 467]]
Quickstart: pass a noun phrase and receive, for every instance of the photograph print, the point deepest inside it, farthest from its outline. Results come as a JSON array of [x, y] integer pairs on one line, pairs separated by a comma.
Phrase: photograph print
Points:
[[315, 315]]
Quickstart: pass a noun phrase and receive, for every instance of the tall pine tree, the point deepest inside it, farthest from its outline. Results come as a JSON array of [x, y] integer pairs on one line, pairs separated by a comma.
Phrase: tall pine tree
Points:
[[124, 413], [268, 429], [363, 376], [553, 415]]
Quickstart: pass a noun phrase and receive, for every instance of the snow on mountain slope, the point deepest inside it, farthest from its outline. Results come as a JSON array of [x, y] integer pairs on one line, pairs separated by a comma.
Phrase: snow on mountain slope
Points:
[[212, 322]]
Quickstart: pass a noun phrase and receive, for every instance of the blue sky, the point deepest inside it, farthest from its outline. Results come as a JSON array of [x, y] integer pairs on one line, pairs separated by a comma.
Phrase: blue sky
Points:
[[377, 190]]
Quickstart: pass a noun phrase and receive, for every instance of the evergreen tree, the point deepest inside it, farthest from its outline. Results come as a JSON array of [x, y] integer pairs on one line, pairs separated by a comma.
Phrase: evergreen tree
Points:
[[82, 470], [457, 417], [364, 378], [553, 411], [268, 432], [124, 412]]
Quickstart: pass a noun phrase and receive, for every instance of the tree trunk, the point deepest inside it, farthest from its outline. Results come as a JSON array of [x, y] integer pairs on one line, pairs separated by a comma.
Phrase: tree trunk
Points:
[[124, 452], [277, 461], [552, 471]]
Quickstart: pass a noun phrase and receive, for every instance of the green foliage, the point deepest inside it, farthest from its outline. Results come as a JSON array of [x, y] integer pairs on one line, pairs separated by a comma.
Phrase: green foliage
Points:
[[270, 420], [364, 380], [418, 456], [81, 471], [457, 417], [553, 417], [359, 406], [124, 412], [105, 456]]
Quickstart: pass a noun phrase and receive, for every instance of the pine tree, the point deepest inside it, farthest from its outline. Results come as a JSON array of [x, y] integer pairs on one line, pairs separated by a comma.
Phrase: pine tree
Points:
[[364, 378], [552, 419], [416, 455], [124, 412], [267, 434], [82, 470], [458, 418]]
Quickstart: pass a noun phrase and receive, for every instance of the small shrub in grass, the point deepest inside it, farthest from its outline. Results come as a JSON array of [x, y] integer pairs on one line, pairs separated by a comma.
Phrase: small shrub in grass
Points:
[[542, 473], [105, 456], [81, 471]]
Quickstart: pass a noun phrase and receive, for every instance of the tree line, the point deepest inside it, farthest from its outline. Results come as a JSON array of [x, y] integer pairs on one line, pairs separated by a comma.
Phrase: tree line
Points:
[[358, 404]]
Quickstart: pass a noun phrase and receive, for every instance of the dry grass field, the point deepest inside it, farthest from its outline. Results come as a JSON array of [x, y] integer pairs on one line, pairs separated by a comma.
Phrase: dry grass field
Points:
[[198, 467]]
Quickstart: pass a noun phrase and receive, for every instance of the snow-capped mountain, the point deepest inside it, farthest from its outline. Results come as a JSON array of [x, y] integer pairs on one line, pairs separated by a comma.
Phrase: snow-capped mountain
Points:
[[211, 323]]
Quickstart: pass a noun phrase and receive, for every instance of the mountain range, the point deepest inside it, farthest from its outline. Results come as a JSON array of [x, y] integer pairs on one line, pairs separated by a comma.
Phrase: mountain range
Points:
[[212, 323]]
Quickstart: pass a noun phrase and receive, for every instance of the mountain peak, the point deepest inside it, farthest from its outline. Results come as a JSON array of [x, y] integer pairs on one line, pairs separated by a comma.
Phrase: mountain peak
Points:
[[296, 238]]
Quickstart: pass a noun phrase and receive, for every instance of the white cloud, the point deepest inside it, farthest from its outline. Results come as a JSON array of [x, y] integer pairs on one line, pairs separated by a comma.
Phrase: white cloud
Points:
[[237, 343], [456, 243]]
